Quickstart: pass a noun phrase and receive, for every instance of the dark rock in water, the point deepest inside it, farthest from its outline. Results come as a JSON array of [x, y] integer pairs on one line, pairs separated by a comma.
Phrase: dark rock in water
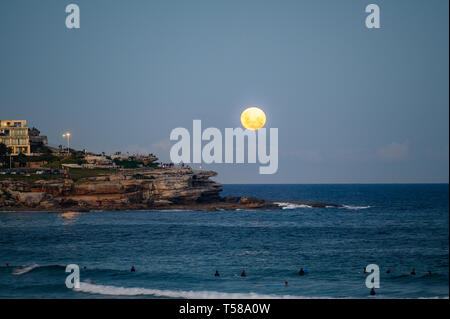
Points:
[[252, 201], [232, 199]]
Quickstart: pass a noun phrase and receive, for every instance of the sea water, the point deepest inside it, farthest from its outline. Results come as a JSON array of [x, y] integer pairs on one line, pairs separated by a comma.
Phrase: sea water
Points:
[[176, 253]]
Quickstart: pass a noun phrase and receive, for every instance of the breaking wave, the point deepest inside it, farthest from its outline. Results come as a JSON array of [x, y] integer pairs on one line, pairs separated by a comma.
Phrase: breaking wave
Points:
[[24, 270], [286, 205], [355, 207], [123, 291]]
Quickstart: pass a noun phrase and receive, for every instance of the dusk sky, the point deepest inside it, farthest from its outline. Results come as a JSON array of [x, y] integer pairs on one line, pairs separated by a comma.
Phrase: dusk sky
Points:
[[351, 104]]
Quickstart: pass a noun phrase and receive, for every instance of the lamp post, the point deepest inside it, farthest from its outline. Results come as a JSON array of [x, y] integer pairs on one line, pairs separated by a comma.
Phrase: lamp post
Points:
[[68, 141]]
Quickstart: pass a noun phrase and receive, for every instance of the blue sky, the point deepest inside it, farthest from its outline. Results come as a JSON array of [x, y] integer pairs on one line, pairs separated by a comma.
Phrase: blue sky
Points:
[[352, 105]]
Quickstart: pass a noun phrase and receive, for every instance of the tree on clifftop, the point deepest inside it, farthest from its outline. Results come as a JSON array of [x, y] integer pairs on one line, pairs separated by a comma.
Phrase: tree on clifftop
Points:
[[3, 149], [4, 153], [22, 159]]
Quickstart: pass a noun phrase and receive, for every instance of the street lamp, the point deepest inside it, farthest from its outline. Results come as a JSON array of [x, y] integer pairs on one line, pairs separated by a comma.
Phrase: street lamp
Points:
[[67, 134]]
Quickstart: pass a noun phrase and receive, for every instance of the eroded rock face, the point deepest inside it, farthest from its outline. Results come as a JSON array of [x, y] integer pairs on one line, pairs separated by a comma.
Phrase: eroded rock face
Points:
[[127, 189], [31, 198]]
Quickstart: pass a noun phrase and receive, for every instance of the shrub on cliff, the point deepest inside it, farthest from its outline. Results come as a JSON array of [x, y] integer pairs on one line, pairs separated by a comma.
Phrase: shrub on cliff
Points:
[[130, 163]]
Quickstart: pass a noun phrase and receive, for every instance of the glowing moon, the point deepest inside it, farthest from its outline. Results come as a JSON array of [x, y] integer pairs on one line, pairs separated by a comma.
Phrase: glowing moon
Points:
[[253, 118]]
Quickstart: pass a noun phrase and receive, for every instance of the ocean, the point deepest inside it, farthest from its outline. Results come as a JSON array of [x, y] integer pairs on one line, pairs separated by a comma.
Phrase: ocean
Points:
[[176, 253]]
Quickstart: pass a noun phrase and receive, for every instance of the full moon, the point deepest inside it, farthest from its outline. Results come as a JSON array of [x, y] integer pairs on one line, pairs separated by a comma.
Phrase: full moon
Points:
[[253, 118]]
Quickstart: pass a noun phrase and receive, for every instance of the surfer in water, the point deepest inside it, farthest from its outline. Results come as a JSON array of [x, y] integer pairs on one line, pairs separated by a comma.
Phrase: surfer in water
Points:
[[413, 271], [388, 271], [301, 272], [372, 292], [243, 274], [133, 269], [217, 274], [365, 270], [286, 283]]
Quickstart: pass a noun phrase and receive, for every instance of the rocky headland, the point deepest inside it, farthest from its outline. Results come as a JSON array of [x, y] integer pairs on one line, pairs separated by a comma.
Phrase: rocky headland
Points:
[[126, 189]]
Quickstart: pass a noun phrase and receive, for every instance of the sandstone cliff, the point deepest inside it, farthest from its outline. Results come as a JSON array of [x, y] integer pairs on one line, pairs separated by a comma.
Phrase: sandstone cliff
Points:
[[134, 189], [121, 190]]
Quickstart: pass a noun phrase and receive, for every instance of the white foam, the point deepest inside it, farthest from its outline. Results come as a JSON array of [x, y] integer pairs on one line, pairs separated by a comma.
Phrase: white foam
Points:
[[355, 207], [24, 270], [123, 291], [287, 205]]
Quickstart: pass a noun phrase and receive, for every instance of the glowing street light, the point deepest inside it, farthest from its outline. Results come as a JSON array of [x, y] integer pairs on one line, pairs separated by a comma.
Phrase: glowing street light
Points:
[[67, 134]]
